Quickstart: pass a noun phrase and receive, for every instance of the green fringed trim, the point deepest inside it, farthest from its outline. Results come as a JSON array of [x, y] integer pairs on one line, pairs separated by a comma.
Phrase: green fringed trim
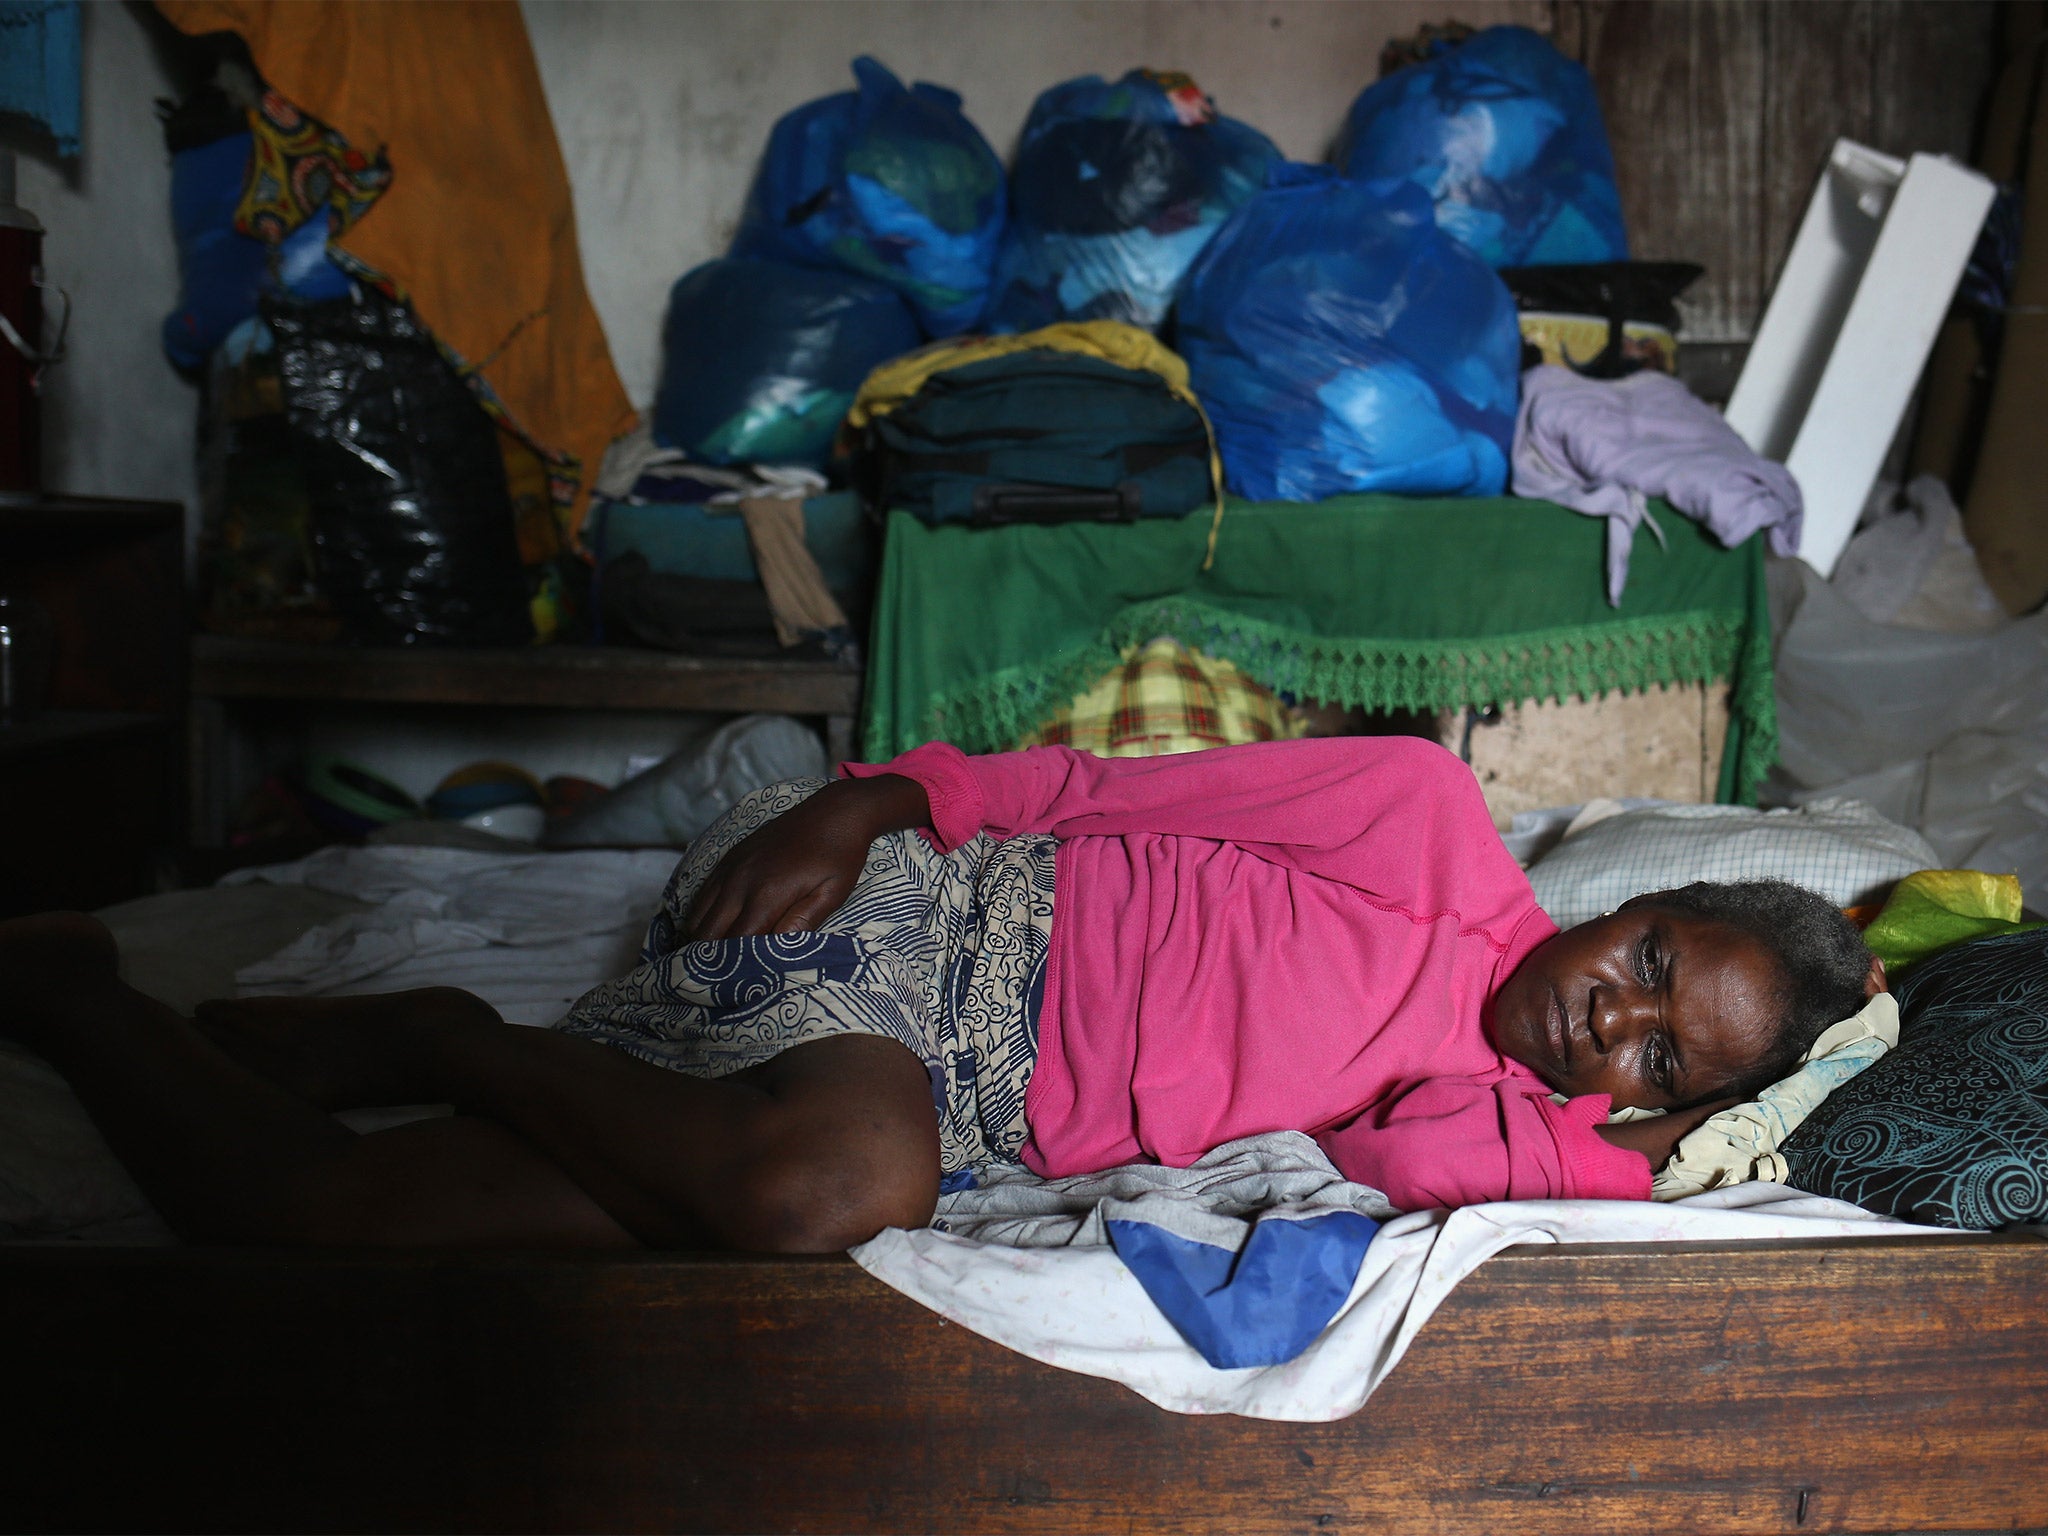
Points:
[[1753, 717], [993, 712]]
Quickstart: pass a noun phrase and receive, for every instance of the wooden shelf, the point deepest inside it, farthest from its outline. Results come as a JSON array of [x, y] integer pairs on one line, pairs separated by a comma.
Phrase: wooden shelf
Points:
[[94, 782], [61, 730], [231, 678], [48, 513], [554, 677]]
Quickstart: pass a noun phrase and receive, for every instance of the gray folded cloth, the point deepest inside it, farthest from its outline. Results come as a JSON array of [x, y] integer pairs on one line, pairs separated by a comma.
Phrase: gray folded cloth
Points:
[[1604, 447]]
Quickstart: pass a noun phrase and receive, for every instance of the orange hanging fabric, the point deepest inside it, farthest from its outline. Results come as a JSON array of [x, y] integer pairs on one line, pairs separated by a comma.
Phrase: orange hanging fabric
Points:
[[476, 227]]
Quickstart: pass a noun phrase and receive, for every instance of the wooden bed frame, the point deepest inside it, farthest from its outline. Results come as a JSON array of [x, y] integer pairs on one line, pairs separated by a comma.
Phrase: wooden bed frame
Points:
[[1873, 1386]]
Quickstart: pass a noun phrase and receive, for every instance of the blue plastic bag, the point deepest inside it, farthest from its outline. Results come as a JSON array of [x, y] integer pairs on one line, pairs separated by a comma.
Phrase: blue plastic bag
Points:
[[762, 358], [222, 270], [891, 183], [1115, 191], [1504, 133], [1342, 342]]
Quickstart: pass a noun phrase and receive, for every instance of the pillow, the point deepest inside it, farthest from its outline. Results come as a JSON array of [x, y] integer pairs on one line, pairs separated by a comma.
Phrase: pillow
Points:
[[1741, 1143], [1950, 1128], [58, 1177], [1840, 848]]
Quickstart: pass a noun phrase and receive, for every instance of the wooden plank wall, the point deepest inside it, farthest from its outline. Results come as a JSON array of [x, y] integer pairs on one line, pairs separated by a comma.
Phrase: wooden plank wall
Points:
[[1722, 112]]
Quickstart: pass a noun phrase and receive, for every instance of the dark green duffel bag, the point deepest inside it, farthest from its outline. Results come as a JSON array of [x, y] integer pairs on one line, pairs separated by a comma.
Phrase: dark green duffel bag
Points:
[[1041, 435]]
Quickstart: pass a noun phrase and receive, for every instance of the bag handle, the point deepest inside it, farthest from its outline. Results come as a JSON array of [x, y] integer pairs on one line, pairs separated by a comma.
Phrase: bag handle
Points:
[[998, 506]]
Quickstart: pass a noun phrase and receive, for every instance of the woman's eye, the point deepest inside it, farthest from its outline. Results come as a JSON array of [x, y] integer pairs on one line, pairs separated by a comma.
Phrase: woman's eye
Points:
[[1657, 1062], [1647, 962]]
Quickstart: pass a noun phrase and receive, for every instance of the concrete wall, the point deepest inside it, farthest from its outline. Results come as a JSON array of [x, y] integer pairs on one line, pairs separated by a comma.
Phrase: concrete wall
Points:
[[117, 419], [662, 108]]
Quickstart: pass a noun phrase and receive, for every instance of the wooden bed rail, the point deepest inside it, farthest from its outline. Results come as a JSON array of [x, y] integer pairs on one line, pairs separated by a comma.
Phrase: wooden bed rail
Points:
[[1796, 1387]]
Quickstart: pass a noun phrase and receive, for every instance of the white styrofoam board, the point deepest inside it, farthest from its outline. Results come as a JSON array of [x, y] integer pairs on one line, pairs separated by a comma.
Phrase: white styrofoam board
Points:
[[1807, 307], [1849, 328]]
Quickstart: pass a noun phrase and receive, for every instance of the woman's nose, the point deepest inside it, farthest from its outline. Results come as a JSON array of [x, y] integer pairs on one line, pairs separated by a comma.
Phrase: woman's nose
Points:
[[1617, 1016]]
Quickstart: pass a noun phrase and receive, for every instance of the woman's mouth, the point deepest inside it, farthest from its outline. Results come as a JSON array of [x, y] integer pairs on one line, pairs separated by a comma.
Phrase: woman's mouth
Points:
[[1558, 1031]]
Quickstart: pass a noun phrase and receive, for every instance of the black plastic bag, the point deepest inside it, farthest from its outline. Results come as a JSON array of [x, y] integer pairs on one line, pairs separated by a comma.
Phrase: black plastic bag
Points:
[[413, 538], [1615, 290], [1625, 294]]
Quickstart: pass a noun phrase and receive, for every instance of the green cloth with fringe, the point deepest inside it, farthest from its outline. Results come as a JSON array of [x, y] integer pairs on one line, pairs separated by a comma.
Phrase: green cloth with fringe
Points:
[[1386, 602]]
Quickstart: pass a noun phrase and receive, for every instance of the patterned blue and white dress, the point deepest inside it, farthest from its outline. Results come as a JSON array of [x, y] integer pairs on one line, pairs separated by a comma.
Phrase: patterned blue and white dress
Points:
[[944, 953]]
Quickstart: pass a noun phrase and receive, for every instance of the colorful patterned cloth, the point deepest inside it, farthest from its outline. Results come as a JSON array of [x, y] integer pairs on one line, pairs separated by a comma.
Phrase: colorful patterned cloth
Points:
[[1163, 697], [298, 166], [944, 953]]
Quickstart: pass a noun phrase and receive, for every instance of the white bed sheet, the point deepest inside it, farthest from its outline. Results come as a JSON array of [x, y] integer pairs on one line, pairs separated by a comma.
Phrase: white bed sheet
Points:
[[528, 932], [1027, 1262]]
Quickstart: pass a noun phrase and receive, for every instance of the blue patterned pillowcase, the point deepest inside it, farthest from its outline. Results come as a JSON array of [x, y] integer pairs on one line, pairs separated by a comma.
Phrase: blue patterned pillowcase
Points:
[[1950, 1128]]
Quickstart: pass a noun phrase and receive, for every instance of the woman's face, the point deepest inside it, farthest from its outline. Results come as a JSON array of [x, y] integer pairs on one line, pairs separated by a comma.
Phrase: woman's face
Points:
[[1657, 1007]]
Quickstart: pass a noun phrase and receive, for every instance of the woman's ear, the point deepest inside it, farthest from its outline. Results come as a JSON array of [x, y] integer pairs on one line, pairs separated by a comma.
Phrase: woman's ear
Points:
[[1874, 983]]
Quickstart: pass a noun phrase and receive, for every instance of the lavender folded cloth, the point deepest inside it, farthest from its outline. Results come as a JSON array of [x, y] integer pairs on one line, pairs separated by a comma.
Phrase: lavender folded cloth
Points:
[[1604, 447]]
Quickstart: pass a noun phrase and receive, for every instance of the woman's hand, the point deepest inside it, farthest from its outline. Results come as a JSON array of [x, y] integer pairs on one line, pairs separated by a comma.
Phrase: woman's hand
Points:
[[1658, 1137], [797, 870]]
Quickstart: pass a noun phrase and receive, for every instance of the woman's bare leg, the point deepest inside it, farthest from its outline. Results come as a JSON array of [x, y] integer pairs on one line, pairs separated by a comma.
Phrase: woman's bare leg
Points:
[[557, 1140], [230, 1157], [816, 1150]]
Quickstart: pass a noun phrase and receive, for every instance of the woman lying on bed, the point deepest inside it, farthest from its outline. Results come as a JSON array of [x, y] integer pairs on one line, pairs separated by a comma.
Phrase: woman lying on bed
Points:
[[850, 995]]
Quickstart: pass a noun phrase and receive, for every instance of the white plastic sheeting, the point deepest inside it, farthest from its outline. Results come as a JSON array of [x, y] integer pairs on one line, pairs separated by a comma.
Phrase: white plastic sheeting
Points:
[[1943, 731]]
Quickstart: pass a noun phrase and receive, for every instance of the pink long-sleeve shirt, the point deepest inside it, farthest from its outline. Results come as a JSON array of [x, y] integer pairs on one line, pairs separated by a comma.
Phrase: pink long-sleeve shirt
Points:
[[1284, 936]]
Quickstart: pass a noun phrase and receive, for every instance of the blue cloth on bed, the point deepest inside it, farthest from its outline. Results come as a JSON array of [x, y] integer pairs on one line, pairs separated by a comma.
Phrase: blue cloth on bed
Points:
[[1261, 1304]]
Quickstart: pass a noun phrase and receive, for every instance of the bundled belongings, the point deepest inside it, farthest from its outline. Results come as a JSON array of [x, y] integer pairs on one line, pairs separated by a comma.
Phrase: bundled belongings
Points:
[[695, 558], [1341, 342], [1092, 420], [413, 530], [255, 568], [245, 224], [438, 111], [696, 615], [1504, 133], [892, 183], [686, 517], [762, 358], [1115, 191]]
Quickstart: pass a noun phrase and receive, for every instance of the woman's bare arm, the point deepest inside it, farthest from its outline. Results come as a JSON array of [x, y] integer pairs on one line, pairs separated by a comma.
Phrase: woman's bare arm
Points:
[[1658, 1137]]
